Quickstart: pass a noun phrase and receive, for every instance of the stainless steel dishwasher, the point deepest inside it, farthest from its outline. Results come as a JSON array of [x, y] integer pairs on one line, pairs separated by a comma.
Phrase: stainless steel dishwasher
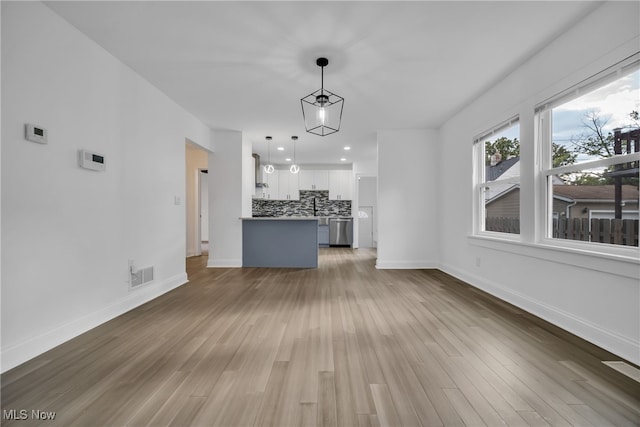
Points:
[[340, 231]]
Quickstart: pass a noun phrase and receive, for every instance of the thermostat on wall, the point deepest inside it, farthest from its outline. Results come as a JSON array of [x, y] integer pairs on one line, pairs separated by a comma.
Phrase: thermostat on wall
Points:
[[91, 160], [35, 133]]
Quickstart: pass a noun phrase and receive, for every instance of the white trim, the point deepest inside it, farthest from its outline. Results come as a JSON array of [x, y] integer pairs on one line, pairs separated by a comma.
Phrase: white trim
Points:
[[625, 347], [564, 198], [607, 161], [544, 170], [498, 128], [224, 263], [604, 201], [479, 173], [405, 265], [31, 347], [499, 236]]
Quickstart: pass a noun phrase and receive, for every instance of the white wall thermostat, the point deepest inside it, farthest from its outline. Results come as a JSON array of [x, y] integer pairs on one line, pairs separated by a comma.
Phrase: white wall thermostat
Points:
[[91, 160], [35, 133]]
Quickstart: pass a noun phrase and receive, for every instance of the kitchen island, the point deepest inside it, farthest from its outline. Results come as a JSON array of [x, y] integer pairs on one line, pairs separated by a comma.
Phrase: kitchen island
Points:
[[285, 242]]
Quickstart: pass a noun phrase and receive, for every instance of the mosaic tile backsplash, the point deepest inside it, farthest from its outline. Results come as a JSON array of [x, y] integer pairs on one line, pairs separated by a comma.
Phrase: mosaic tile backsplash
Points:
[[311, 203]]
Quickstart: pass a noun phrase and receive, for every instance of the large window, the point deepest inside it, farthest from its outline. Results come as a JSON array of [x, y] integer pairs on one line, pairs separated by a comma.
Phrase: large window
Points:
[[497, 161], [590, 140]]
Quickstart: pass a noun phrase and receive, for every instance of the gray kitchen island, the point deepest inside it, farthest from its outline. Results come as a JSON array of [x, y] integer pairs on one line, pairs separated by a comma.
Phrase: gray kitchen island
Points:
[[285, 242]]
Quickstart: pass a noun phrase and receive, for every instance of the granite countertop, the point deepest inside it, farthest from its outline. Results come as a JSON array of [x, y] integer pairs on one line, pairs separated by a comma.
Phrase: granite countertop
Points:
[[280, 218]]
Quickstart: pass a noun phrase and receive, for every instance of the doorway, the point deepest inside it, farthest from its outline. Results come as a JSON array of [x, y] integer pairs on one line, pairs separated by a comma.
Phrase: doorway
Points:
[[196, 161], [365, 226], [367, 210], [203, 179]]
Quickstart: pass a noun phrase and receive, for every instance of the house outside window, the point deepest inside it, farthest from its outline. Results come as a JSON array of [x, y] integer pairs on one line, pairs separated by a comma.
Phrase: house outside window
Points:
[[497, 171], [589, 138]]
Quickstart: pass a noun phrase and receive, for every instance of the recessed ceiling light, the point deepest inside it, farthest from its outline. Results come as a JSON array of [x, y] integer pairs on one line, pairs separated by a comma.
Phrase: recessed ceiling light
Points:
[[347, 148], [343, 159], [280, 148], [288, 159]]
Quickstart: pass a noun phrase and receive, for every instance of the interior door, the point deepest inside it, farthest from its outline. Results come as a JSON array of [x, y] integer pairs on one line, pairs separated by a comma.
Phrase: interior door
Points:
[[365, 226]]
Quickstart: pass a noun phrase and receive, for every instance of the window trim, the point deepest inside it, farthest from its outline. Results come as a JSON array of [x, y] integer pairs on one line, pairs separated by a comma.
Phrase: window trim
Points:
[[592, 164], [590, 84], [615, 259], [479, 167], [544, 169], [495, 129]]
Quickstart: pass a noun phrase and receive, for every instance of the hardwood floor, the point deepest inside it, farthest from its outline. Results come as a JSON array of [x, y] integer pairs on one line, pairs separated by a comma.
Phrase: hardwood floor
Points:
[[341, 345]]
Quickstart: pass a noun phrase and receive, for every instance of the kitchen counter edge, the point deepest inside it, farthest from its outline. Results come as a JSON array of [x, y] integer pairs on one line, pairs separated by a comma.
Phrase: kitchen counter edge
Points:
[[279, 218]]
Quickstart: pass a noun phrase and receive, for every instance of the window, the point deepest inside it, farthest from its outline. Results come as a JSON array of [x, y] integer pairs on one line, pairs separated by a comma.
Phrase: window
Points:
[[497, 163], [590, 140]]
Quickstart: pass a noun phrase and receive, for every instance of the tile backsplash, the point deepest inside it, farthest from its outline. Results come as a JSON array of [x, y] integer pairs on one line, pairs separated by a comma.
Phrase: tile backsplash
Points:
[[311, 203]]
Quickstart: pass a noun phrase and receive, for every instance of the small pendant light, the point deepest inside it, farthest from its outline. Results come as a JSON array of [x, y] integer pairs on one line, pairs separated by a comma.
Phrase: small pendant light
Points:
[[294, 167], [268, 168]]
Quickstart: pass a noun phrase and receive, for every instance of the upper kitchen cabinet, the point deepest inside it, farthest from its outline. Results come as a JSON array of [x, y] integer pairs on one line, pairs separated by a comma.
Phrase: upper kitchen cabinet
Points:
[[314, 179], [288, 188], [271, 191], [340, 185]]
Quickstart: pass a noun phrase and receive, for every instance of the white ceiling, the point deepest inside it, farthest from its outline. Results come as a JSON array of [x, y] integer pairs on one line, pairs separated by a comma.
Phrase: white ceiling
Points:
[[245, 65]]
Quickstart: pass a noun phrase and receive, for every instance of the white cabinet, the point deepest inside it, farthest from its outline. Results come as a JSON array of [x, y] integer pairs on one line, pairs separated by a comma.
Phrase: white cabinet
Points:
[[340, 185], [288, 188], [314, 179], [271, 191]]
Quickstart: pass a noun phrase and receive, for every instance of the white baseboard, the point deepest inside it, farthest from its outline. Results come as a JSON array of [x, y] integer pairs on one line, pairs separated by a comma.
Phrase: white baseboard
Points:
[[405, 265], [224, 263], [611, 341], [16, 354]]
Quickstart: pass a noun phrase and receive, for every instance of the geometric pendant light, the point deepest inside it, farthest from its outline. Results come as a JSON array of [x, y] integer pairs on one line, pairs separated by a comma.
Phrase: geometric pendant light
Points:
[[268, 168], [322, 110]]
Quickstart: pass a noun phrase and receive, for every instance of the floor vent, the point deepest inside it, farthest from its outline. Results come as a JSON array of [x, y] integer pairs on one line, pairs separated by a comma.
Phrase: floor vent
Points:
[[142, 276]]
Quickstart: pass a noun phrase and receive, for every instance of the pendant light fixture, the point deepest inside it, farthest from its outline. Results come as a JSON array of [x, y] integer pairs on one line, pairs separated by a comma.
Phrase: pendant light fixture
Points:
[[294, 167], [268, 168], [322, 110]]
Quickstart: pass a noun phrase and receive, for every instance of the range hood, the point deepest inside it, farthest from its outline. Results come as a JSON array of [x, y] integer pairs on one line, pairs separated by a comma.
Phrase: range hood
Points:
[[258, 169]]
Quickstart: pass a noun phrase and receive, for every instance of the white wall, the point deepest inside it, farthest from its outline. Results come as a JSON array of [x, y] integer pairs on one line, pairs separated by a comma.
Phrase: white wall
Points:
[[230, 189], [365, 168], [594, 297], [407, 208], [248, 177], [68, 233]]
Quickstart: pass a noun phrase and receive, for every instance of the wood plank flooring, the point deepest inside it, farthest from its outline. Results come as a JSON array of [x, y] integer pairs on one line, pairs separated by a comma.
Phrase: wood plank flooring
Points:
[[341, 345]]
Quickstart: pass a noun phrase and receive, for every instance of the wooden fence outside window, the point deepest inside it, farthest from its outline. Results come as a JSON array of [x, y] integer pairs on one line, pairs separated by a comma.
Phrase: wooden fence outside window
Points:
[[612, 231]]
